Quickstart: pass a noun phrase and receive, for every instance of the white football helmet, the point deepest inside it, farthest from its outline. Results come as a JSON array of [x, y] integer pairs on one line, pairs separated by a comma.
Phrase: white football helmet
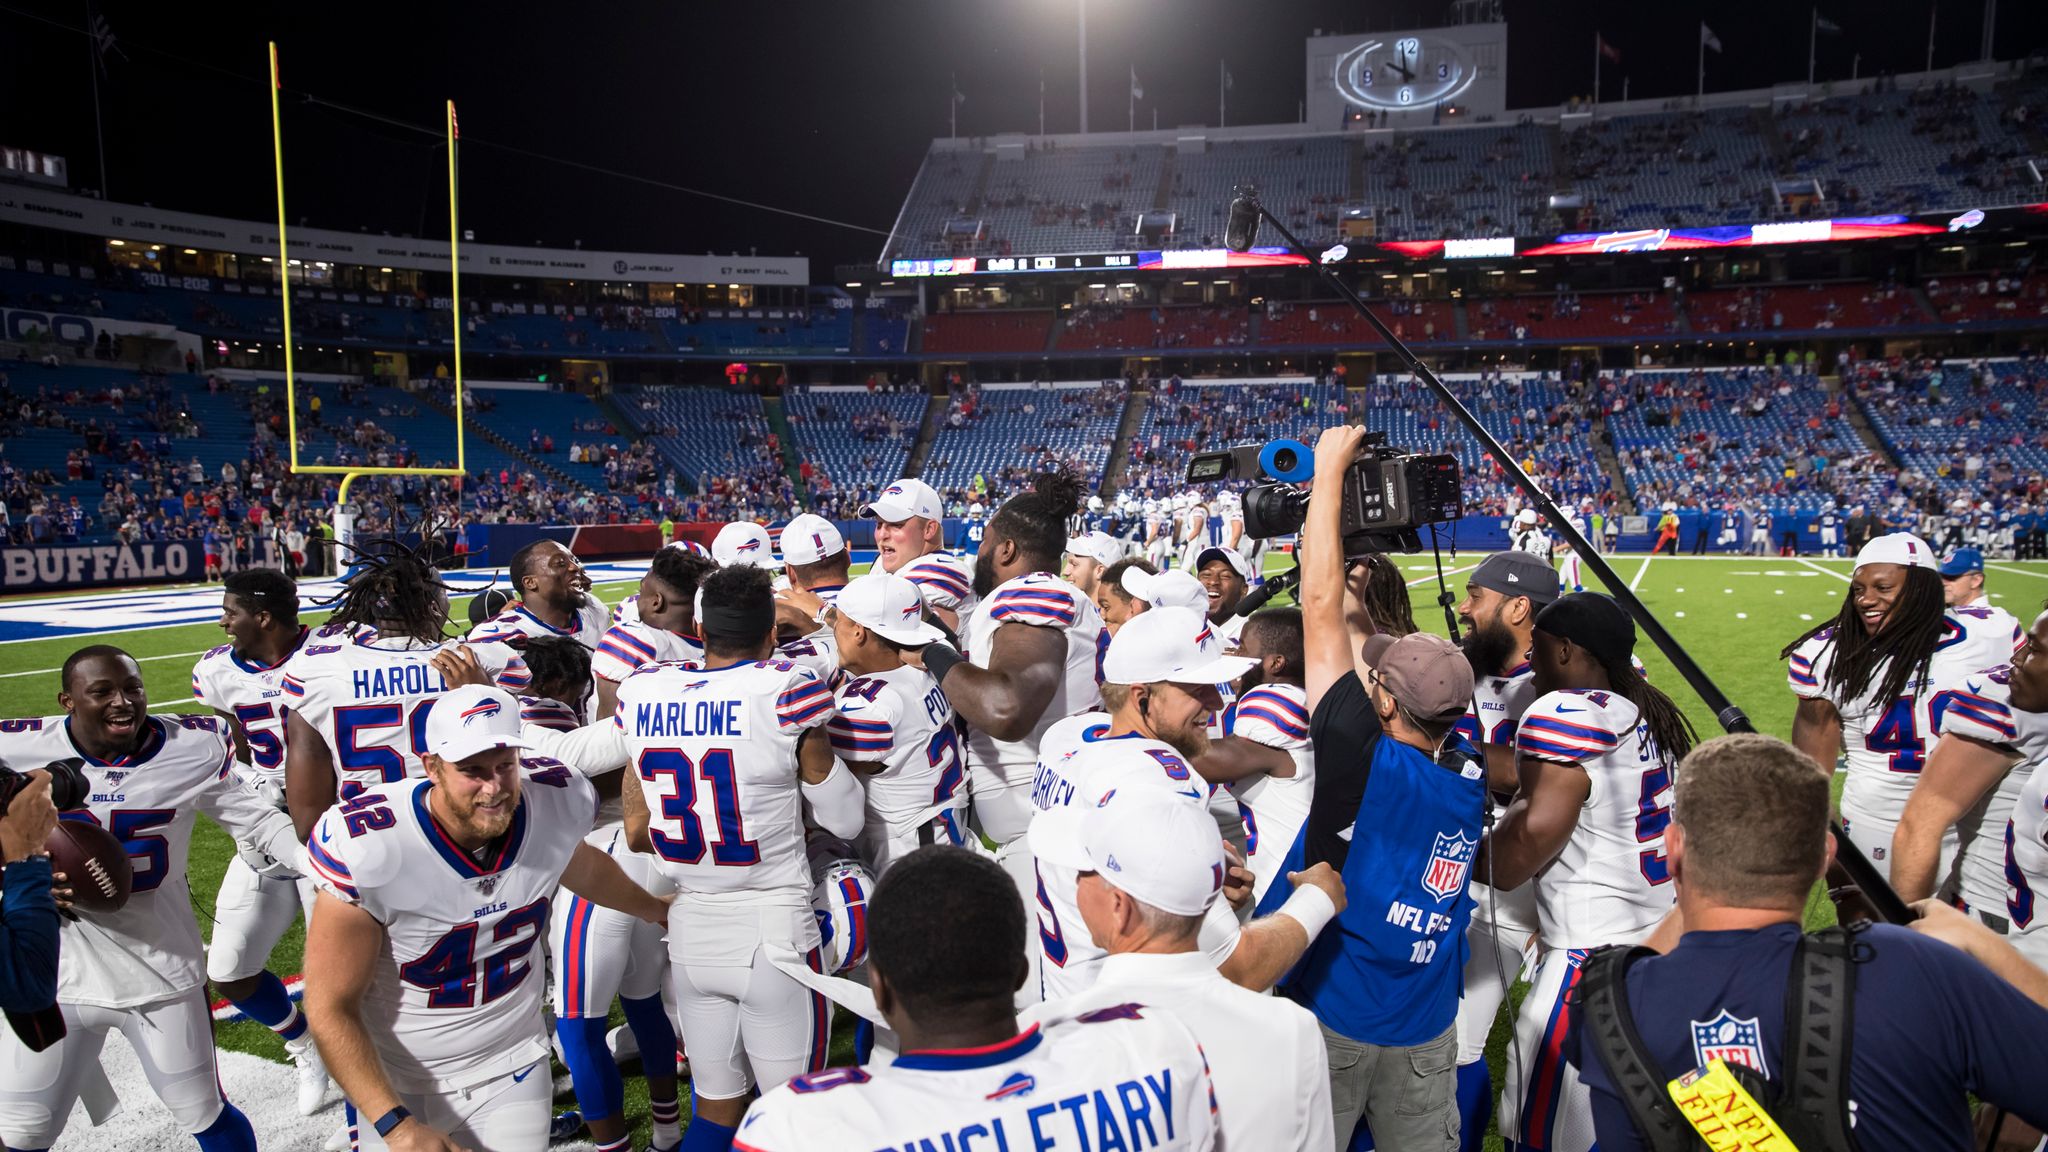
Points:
[[840, 902]]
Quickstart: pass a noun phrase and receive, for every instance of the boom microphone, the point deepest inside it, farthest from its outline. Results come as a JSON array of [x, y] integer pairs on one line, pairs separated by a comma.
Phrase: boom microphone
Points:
[[1243, 225], [1257, 598]]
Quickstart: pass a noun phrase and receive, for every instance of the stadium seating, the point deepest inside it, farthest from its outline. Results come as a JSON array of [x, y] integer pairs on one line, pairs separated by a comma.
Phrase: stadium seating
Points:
[[1184, 417], [1331, 322], [1991, 297], [1572, 316], [1969, 429], [983, 332], [1789, 308], [854, 441], [1010, 430], [1106, 326], [1304, 181]]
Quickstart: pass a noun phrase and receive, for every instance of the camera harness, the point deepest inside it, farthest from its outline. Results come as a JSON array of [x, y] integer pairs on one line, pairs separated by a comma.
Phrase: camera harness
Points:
[[1809, 1103]]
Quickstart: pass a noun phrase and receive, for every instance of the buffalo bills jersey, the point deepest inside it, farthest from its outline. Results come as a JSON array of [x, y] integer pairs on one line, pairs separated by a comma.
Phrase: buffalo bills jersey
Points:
[[900, 720], [2005, 858], [1611, 881], [627, 645], [517, 622], [1001, 770], [714, 751], [368, 697], [1275, 715], [1122, 1077], [149, 800], [456, 996], [944, 580], [253, 694], [1887, 741]]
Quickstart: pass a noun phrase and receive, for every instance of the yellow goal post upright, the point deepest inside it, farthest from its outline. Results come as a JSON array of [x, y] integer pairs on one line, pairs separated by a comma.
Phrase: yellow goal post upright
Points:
[[344, 521]]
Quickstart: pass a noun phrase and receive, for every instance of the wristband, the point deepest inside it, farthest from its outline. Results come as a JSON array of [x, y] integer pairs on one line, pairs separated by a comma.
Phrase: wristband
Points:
[[391, 1120], [939, 659], [1310, 907]]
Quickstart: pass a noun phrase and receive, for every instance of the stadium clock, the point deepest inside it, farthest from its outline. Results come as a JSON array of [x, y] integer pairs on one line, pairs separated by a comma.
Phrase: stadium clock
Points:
[[1403, 72]]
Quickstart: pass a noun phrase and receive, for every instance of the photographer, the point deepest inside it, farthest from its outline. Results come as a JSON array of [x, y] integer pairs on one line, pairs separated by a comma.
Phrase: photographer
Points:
[[1397, 810], [28, 912]]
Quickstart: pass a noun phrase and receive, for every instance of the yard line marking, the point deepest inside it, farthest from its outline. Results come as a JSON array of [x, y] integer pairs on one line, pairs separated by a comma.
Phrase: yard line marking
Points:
[[138, 660], [1824, 571], [1447, 575], [2018, 571], [1638, 581]]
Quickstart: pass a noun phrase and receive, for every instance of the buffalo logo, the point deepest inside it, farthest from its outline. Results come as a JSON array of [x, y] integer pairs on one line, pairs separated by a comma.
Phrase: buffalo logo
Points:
[[911, 611], [1731, 1039], [479, 710], [1640, 240], [1015, 1084], [1205, 637], [1450, 858], [749, 546], [893, 490]]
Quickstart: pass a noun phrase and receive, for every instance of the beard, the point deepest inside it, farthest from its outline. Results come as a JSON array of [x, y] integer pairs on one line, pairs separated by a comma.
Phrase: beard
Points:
[[984, 574], [1489, 648], [1191, 742], [480, 823]]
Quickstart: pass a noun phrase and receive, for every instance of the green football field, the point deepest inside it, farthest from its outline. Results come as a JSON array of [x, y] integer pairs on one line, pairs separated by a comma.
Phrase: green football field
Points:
[[1732, 615]]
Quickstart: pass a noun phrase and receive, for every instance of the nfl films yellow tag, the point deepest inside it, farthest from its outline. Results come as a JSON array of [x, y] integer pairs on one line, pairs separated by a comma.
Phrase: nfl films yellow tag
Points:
[[1724, 1114]]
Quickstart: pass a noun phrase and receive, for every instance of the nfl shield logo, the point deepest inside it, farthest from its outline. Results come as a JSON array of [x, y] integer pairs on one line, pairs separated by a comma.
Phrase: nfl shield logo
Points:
[[486, 885], [1731, 1039], [1449, 859]]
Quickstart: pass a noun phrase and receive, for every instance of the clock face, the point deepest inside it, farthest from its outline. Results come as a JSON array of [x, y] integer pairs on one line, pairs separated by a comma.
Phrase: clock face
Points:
[[1403, 72]]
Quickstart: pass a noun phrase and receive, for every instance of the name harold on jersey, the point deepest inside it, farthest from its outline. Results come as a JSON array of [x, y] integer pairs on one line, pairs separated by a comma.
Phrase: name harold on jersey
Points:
[[396, 680]]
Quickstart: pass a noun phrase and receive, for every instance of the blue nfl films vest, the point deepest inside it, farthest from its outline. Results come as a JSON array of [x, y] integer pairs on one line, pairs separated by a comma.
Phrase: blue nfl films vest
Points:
[[1390, 969]]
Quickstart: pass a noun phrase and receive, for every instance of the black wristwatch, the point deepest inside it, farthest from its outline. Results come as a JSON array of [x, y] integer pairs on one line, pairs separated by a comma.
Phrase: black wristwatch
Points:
[[390, 1120]]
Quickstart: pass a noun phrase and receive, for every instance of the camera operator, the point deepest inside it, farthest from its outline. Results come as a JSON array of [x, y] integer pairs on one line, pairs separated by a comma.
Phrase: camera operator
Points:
[[1931, 1025], [1397, 810], [28, 912]]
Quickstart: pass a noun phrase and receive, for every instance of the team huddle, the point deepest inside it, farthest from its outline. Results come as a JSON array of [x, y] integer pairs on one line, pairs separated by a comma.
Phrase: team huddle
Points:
[[1044, 821]]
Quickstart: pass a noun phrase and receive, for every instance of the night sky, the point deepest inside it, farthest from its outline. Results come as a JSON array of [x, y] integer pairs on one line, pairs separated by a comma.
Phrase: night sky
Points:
[[821, 108]]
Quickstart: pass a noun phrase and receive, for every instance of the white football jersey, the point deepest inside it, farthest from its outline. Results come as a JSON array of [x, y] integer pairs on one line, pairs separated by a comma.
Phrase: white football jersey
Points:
[[818, 651], [998, 768], [628, 645], [1084, 776], [1534, 541], [456, 996], [517, 621], [1886, 742], [369, 696], [150, 949], [1274, 809], [1498, 703], [714, 752], [1611, 881], [900, 719], [2005, 839], [254, 695], [1123, 1077], [1194, 523], [944, 580], [626, 611]]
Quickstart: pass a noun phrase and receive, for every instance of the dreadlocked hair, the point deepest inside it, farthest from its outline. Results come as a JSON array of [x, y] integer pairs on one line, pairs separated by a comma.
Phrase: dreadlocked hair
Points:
[[682, 570], [1901, 651], [1037, 520], [560, 667], [1386, 596], [393, 591], [1669, 730]]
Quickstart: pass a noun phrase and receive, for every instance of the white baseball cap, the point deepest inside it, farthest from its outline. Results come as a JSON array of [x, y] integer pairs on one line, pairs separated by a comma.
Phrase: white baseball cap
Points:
[[743, 542], [1161, 848], [1230, 556], [1170, 645], [471, 719], [1526, 516], [689, 546], [1172, 588], [904, 499], [1100, 547], [808, 539], [889, 606], [1898, 548]]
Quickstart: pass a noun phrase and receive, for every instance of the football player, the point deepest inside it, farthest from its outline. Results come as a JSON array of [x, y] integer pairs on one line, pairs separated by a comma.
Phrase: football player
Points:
[[945, 960], [818, 562], [1596, 753], [242, 682], [892, 724], [140, 970], [663, 627], [1225, 575], [361, 691], [627, 611], [1868, 682], [1087, 556], [1027, 659], [1263, 754], [910, 522], [1166, 665], [726, 758], [434, 893], [1992, 739], [553, 599]]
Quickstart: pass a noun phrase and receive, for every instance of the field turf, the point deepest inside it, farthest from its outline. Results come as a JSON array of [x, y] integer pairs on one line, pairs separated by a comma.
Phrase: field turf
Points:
[[1732, 614]]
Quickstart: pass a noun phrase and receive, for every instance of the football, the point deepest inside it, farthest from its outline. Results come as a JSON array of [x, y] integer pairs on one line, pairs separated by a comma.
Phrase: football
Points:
[[94, 864]]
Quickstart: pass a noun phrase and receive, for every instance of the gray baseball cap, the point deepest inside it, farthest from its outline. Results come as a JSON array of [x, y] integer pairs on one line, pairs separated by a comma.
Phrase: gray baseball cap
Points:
[[1517, 574], [1428, 675]]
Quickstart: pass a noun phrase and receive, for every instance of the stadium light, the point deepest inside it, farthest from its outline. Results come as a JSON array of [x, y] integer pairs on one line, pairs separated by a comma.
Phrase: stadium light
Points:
[[116, 243]]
